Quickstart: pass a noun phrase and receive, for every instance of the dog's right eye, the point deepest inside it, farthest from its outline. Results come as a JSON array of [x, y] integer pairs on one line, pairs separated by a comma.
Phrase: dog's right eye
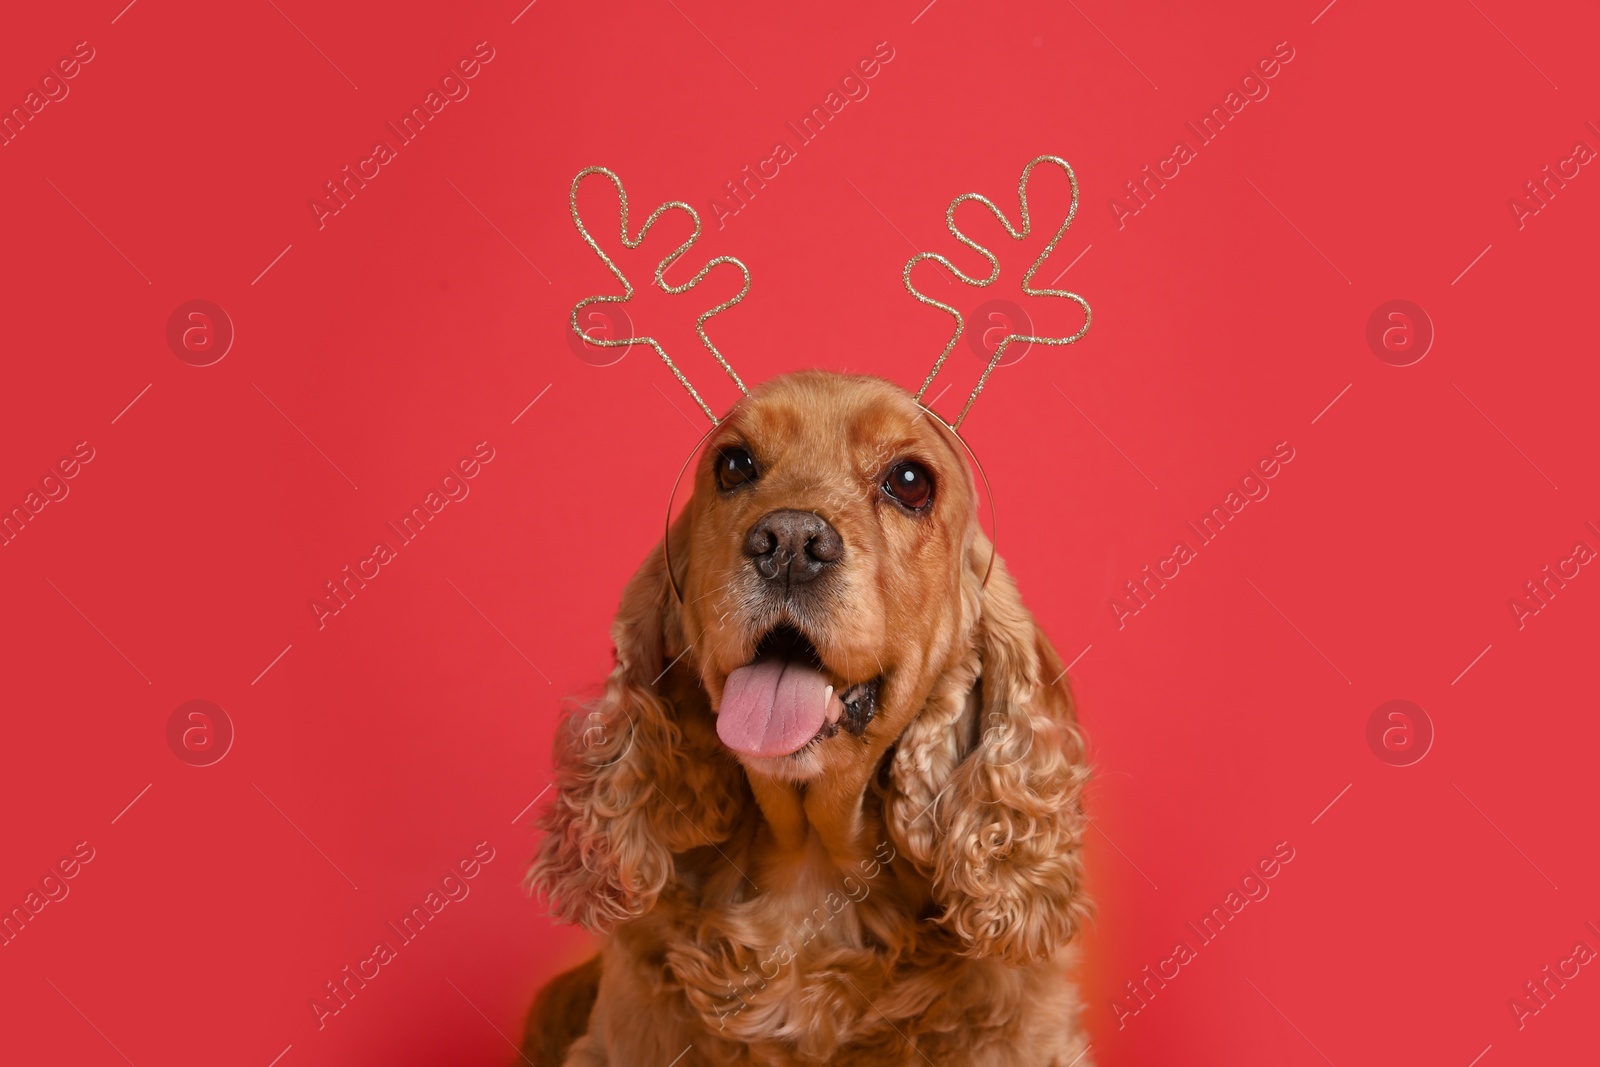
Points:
[[736, 467]]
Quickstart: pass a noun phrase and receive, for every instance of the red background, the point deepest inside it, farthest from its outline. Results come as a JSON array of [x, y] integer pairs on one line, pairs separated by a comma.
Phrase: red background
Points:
[[1229, 312]]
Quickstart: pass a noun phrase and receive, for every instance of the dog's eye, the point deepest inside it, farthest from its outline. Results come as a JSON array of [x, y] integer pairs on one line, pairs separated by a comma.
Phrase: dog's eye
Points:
[[910, 484], [736, 467]]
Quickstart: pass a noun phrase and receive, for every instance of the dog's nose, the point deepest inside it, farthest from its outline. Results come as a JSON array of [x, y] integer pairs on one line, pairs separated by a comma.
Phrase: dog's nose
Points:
[[792, 546]]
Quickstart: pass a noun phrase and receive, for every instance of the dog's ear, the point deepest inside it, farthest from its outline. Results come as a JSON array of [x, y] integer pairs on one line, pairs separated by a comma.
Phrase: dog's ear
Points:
[[638, 777], [988, 786]]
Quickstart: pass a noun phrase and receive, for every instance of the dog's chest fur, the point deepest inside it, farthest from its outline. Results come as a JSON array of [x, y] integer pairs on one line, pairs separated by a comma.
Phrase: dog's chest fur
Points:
[[806, 960]]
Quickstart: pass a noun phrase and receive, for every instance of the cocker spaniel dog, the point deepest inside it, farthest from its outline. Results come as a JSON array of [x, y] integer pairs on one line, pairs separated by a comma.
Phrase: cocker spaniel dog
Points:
[[828, 808]]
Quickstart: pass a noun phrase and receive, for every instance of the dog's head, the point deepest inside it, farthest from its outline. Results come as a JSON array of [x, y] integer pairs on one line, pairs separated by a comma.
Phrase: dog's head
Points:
[[836, 668], [825, 581]]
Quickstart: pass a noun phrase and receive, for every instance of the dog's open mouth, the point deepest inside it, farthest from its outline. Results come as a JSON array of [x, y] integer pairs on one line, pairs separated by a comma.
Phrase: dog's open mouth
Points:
[[782, 701]]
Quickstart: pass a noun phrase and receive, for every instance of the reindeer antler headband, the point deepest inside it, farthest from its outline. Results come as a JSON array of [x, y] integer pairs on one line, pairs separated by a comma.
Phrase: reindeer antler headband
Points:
[[660, 281], [1017, 233]]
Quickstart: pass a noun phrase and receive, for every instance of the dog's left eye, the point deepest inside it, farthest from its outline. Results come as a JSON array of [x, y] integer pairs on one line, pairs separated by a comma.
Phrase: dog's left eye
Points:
[[910, 484], [736, 467]]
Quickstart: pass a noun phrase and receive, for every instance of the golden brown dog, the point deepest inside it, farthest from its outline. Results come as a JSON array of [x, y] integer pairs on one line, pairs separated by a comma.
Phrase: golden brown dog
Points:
[[829, 805]]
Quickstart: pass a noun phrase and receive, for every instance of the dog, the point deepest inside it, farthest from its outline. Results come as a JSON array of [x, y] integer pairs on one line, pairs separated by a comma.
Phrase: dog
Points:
[[828, 808]]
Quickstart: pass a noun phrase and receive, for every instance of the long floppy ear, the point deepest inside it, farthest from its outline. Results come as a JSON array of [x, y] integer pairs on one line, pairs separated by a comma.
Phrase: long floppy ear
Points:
[[638, 775], [988, 787]]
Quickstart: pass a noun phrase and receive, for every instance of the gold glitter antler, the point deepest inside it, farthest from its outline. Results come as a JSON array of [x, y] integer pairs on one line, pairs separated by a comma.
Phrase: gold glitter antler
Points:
[[660, 281], [994, 273]]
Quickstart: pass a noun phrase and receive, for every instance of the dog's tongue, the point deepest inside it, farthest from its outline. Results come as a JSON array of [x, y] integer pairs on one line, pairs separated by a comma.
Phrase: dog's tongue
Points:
[[772, 708]]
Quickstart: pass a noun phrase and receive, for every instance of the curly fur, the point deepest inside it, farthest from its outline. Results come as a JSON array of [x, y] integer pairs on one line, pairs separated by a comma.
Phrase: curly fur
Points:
[[912, 898]]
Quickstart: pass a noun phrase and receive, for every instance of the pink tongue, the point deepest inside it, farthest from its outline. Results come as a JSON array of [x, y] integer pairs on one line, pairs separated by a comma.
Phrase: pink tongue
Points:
[[772, 708]]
